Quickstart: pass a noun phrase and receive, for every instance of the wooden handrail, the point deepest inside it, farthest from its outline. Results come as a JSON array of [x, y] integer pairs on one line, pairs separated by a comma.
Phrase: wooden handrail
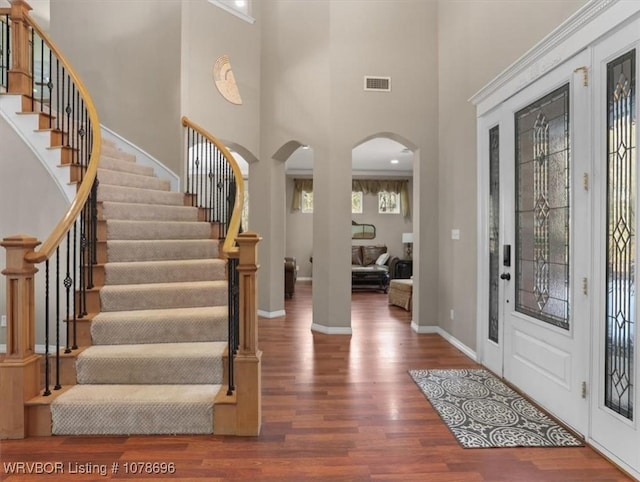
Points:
[[234, 224], [49, 246], [5, 11]]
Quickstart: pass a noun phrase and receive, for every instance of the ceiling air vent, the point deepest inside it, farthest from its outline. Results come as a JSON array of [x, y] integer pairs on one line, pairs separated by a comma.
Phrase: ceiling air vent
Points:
[[379, 84]]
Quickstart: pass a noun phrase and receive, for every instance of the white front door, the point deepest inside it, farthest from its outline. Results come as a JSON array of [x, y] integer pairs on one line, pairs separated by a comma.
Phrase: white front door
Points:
[[614, 398], [545, 312]]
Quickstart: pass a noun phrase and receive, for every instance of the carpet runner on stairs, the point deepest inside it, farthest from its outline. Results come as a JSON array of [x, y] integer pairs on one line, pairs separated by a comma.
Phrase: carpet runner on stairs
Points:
[[155, 365]]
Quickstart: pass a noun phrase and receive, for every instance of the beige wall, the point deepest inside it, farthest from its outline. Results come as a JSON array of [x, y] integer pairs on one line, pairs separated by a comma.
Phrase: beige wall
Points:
[[208, 32], [389, 229], [128, 55], [318, 53], [31, 203], [477, 40], [294, 106]]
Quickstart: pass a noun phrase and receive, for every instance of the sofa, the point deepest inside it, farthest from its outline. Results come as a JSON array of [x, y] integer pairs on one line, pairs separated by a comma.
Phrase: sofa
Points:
[[290, 276], [371, 267]]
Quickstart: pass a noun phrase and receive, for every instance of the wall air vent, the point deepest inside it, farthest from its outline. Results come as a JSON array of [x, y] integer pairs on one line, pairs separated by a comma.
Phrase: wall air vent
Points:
[[378, 84]]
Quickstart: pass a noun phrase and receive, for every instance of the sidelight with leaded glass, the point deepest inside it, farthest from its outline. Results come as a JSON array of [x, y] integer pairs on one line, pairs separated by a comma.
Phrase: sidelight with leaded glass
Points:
[[494, 232], [621, 235]]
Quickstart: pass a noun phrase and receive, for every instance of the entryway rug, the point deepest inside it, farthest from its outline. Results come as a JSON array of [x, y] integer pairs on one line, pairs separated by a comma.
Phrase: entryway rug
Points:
[[483, 412]]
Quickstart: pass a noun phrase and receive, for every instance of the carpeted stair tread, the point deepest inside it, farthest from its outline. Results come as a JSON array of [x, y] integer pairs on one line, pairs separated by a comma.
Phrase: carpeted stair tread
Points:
[[115, 164], [162, 249], [124, 194], [163, 295], [119, 178], [206, 323], [147, 230], [134, 409], [148, 212], [171, 271], [153, 363]]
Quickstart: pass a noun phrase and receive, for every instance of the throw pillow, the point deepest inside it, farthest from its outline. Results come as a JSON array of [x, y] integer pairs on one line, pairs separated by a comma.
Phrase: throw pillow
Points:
[[382, 259], [371, 253], [356, 255]]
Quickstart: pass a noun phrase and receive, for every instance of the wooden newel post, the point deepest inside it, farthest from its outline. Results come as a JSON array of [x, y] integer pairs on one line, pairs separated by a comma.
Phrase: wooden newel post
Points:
[[20, 70], [247, 361], [20, 370]]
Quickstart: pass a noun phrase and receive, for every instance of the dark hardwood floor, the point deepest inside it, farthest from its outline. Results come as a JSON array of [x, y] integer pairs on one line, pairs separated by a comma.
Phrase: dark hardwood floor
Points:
[[334, 408]]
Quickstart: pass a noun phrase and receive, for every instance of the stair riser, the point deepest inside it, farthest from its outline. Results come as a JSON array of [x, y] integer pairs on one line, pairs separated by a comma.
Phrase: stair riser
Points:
[[152, 332], [141, 251], [111, 150], [182, 419], [149, 371], [133, 180], [92, 301], [161, 299], [132, 274], [144, 212], [152, 230], [114, 164], [121, 194]]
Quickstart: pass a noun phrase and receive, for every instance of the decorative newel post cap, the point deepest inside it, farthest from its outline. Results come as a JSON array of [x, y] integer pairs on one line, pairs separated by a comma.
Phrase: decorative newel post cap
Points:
[[20, 240]]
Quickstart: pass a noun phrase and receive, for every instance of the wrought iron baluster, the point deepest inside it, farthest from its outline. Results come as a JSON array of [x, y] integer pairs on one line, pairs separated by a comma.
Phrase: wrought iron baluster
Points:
[[58, 385], [47, 368], [68, 282]]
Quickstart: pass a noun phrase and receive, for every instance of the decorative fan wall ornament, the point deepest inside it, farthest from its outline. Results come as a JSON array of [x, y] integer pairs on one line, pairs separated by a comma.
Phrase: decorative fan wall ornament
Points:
[[225, 80]]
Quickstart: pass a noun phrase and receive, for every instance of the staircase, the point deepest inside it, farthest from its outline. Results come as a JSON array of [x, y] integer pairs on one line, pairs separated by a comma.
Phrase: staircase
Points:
[[155, 363], [160, 299]]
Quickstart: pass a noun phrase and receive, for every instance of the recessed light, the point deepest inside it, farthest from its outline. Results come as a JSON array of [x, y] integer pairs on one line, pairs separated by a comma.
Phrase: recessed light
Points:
[[305, 147], [394, 161], [240, 3]]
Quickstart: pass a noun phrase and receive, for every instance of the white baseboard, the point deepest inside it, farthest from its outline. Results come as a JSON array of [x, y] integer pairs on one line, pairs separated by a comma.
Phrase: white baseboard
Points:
[[332, 330], [271, 314], [423, 330], [458, 344], [304, 279]]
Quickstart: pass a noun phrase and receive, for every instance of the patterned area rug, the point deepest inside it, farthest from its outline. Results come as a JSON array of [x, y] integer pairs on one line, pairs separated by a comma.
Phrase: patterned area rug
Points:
[[482, 412]]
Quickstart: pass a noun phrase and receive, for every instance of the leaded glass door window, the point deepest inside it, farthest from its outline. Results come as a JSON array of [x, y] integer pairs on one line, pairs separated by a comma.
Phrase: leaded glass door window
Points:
[[543, 208]]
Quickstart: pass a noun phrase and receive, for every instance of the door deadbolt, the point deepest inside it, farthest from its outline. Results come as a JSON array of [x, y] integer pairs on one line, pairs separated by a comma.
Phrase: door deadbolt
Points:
[[505, 276]]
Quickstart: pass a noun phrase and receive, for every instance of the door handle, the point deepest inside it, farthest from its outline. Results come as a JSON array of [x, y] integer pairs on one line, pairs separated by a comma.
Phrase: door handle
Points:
[[505, 276]]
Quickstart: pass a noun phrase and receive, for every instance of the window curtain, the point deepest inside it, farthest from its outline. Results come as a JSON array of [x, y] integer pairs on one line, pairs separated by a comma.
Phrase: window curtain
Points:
[[374, 186], [300, 185], [367, 186]]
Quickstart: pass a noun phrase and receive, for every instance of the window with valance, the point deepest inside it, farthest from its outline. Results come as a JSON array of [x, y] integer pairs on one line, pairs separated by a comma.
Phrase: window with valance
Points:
[[366, 186]]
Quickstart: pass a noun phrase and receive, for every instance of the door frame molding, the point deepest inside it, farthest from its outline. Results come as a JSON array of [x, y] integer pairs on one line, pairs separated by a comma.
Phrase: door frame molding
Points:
[[596, 20]]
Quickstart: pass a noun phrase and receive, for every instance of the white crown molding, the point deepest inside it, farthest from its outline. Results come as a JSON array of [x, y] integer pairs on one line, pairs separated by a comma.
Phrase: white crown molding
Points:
[[588, 24]]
